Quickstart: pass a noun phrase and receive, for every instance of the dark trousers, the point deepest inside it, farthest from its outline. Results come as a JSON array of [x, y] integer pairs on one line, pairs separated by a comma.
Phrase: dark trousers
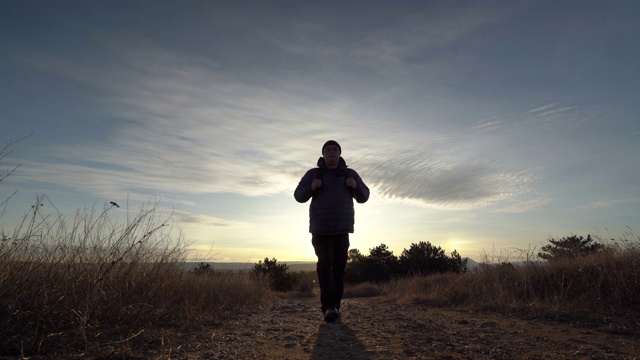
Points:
[[332, 251]]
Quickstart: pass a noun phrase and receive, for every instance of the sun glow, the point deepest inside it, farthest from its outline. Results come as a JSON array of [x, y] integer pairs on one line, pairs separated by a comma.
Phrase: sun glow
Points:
[[459, 244]]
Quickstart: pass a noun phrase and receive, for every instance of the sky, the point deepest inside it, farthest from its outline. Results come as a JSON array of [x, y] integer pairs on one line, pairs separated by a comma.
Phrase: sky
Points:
[[479, 126]]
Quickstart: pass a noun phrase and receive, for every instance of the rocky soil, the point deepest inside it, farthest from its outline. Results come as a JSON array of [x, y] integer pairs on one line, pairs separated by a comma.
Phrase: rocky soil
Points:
[[372, 328]]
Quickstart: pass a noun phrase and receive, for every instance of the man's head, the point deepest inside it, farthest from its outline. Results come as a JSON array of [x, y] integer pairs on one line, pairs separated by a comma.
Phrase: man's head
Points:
[[331, 151]]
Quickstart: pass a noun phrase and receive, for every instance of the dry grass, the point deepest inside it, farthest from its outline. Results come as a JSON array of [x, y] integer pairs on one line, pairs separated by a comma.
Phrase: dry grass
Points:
[[602, 286], [96, 282], [365, 289]]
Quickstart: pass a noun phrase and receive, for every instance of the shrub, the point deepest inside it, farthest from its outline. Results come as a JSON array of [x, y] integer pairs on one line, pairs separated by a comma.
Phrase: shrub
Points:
[[203, 269], [423, 259], [306, 283], [277, 274], [379, 266]]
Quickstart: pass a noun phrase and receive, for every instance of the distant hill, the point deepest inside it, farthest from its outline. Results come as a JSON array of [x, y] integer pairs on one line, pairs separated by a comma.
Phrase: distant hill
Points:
[[471, 264], [302, 266]]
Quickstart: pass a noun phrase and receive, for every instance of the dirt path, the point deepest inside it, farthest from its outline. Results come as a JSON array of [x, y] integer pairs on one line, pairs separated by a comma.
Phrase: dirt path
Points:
[[373, 329]]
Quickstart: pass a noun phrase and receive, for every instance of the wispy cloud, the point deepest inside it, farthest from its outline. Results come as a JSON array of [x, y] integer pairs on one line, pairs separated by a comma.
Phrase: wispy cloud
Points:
[[403, 43], [553, 112], [488, 125], [191, 129], [186, 218], [605, 204], [415, 35], [541, 108], [528, 205], [442, 182]]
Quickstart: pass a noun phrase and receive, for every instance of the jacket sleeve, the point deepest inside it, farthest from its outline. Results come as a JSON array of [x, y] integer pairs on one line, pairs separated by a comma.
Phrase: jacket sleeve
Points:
[[303, 191], [361, 192]]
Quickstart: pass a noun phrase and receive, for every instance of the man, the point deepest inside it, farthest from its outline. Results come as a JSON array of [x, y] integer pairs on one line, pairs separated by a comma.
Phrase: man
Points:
[[332, 187]]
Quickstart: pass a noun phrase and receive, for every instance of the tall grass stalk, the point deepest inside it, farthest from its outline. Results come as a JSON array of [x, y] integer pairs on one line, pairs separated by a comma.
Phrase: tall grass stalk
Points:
[[94, 280]]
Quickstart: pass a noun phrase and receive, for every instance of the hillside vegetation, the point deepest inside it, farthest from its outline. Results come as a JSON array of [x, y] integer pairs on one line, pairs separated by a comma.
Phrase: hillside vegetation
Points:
[[579, 279]]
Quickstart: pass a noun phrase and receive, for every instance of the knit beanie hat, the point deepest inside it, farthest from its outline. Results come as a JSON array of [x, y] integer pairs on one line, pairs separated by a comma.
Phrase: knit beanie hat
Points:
[[331, 142]]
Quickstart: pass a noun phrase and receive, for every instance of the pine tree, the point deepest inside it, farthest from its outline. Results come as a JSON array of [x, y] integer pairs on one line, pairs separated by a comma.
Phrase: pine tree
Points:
[[569, 248]]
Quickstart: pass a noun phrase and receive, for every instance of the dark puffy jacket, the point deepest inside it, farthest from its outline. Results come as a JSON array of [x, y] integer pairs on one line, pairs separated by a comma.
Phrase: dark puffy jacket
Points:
[[331, 211]]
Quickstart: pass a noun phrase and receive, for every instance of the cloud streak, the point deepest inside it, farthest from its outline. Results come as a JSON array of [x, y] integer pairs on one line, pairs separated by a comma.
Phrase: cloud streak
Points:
[[441, 182], [526, 205], [605, 204]]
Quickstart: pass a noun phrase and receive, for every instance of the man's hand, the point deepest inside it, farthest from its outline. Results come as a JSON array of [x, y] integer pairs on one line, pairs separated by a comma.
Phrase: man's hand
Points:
[[351, 183], [316, 184]]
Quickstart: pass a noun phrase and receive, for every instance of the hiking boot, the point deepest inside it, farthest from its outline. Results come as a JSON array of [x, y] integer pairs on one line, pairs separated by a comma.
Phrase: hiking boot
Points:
[[331, 314]]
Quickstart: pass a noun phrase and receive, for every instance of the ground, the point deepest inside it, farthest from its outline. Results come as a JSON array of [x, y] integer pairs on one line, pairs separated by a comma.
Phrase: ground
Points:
[[372, 328]]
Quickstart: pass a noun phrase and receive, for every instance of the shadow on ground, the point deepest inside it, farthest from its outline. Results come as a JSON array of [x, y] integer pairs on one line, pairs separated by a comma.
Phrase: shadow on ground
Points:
[[337, 341]]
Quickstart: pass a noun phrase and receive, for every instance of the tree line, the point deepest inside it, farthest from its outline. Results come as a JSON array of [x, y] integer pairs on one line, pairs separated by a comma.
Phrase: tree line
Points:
[[419, 259], [379, 265]]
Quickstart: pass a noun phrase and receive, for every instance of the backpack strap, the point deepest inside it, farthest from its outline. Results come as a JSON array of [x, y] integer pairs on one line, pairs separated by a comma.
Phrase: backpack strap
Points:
[[349, 173]]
